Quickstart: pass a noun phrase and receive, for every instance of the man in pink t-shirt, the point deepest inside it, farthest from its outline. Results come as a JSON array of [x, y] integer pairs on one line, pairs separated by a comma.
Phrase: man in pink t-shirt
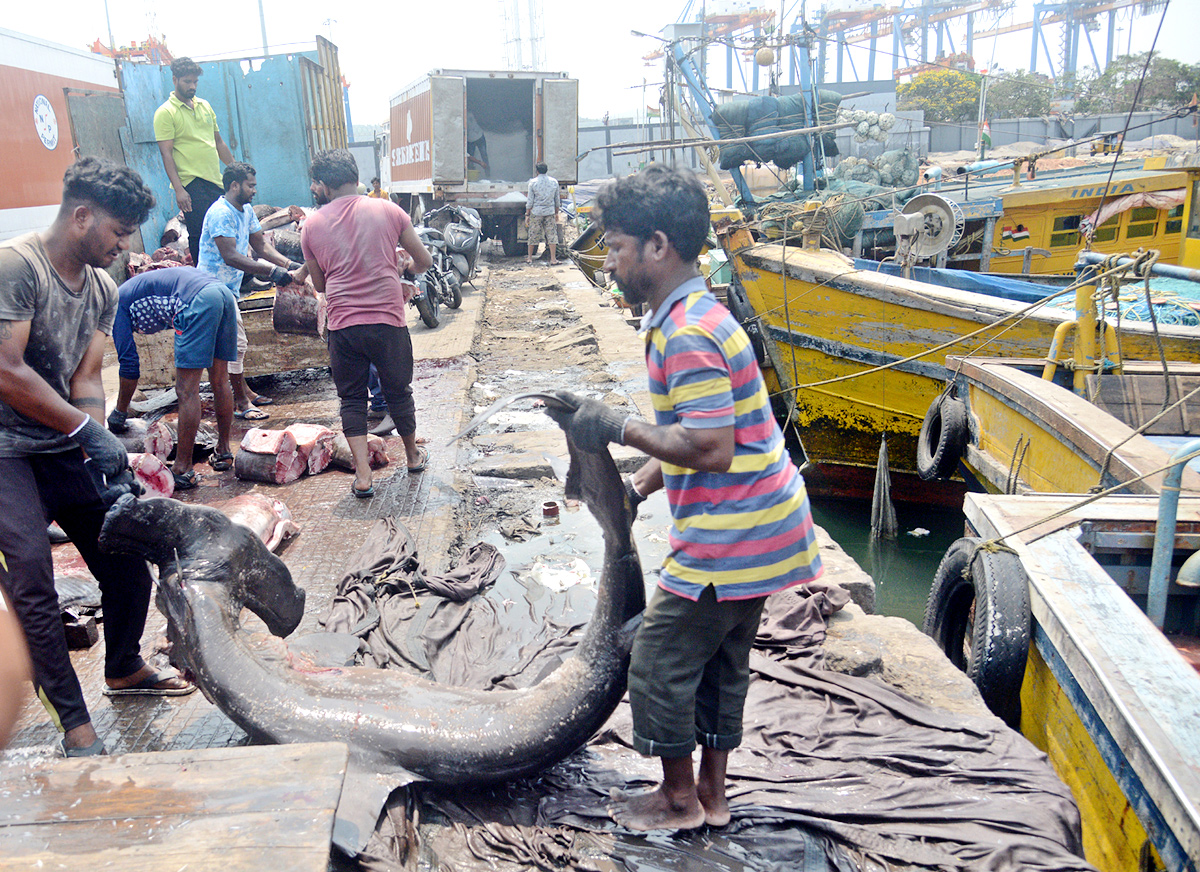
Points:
[[349, 248]]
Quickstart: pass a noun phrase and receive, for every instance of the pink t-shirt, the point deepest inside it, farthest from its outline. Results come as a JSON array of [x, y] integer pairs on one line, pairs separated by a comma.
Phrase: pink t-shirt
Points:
[[353, 240]]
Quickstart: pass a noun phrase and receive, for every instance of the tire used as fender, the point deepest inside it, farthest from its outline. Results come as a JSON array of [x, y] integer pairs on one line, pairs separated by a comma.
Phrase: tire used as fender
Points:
[[978, 614], [943, 438]]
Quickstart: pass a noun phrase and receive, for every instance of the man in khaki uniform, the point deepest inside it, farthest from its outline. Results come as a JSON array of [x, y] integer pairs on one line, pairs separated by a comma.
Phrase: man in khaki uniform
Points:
[[190, 141]]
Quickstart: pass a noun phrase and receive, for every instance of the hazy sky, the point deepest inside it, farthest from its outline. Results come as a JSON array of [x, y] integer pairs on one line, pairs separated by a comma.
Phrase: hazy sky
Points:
[[385, 46]]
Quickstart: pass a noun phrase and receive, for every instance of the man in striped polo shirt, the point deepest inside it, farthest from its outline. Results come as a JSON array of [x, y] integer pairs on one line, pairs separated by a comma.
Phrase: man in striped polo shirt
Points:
[[741, 528]]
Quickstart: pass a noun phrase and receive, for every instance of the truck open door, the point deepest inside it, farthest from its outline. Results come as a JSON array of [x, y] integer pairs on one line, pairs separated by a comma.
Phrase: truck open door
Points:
[[560, 110], [447, 105]]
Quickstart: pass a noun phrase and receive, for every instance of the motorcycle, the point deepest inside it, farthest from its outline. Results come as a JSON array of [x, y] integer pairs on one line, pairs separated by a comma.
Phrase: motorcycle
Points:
[[462, 230], [440, 283]]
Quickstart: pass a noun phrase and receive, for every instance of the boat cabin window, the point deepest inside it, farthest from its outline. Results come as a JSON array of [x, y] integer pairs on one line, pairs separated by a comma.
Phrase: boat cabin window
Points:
[[1194, 220], [1175, 219], [1143, 221], [1107, 231], [1066, 231]]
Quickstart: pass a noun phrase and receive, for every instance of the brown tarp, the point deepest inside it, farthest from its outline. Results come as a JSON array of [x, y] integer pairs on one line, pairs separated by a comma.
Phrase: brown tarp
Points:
[[835, 772]]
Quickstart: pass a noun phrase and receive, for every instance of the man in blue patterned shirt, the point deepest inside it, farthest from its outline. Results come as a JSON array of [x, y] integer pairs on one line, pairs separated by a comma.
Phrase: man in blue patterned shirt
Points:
[[231, 232], [203, 313]]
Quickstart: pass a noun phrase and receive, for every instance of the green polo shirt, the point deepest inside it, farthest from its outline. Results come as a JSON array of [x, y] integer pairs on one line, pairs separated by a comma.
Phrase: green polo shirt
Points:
[[194, 131]]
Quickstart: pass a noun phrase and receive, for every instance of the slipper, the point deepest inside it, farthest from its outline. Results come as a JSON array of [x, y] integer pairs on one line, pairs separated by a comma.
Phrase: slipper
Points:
[[221, 461], [529, 260], [423, 454], [148, 686], [251, 414], [186, 480], [93, 750], [362, 494], [260, 400]]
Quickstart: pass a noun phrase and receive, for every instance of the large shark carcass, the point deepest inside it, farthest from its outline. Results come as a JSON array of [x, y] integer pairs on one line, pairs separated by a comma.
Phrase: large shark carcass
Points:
[[399, 727]]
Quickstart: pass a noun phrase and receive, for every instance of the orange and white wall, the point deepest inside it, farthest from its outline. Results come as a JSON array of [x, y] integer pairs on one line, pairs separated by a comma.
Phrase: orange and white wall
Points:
[[35, 124]]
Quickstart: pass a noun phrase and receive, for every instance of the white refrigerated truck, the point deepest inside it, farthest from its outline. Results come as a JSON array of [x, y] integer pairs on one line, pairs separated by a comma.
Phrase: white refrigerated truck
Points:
[[525, 117]]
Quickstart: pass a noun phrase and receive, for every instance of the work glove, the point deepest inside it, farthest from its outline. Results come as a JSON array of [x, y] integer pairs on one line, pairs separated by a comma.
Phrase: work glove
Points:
[[112, 488], [293, 266], [117, 421], [280, 276], [104, 449], [590, 424], [631, 494]]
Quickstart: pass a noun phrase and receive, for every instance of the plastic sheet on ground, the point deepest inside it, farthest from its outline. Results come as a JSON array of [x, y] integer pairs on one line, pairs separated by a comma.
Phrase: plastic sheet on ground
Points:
[[835, 772]]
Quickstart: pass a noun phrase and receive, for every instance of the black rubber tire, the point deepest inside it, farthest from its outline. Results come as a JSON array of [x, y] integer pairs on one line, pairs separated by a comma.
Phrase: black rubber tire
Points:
[[978, 614], [508, 237], [428, 308], [943, 439], [454, 285]]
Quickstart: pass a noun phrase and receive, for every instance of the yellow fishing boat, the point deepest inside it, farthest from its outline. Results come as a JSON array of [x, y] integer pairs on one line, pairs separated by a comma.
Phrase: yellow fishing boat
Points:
[[1022, 433], [852, 353], [1056, 628], [1012, 222]]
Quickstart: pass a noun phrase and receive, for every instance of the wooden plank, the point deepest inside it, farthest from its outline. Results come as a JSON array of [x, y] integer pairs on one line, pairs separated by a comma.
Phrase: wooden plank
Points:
[[271, 352], [1135, 399], [224, 809]]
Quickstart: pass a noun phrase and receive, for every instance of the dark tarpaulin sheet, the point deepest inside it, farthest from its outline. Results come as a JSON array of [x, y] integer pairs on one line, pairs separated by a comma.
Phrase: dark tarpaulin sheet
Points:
[[835, 772]]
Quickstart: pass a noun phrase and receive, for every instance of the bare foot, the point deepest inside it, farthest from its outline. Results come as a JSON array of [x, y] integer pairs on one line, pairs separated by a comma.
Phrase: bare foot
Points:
[[655, 811], [716, 809]]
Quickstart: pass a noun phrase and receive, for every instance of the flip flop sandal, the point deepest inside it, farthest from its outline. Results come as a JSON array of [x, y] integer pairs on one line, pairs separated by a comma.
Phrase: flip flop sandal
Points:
[[186, 480], [221, 461], [362, 494], [423, 454], [148, 686], [251, 414], [260, 400], [93, 750]]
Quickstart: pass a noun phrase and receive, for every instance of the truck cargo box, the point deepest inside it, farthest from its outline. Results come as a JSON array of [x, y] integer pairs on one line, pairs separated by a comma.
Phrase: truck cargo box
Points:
[[524, 117]]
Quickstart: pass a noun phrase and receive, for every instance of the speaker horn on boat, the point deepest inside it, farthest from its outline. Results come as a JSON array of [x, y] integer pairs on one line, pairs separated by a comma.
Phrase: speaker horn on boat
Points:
[[943, 224]]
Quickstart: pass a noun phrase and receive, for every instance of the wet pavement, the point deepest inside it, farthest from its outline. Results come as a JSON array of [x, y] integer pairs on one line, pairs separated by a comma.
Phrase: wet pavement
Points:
[[332, 523]]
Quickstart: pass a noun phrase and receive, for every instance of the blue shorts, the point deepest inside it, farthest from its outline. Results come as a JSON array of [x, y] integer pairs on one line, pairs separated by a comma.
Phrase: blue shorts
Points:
[[206, 328]]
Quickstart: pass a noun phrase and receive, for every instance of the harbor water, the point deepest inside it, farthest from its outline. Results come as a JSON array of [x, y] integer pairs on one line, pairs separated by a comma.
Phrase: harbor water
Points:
[[903, 569]]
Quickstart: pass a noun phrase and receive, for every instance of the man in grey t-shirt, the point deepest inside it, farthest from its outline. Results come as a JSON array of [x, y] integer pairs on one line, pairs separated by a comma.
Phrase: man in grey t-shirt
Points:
[[56, 312], [541, 212]]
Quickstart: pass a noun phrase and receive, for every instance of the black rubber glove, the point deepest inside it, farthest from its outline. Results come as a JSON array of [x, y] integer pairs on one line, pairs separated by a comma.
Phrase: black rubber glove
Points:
[[293, 266], [280, 276], [117, 421], [592, 425], [105, 449], [114, 487], [631, 494]]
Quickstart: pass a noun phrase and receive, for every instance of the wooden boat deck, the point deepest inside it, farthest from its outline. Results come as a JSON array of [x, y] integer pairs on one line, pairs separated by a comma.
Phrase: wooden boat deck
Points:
[[175, 810]]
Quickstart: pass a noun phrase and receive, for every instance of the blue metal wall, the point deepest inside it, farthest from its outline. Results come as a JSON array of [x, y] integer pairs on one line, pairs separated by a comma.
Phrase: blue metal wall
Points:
[[260, 108]]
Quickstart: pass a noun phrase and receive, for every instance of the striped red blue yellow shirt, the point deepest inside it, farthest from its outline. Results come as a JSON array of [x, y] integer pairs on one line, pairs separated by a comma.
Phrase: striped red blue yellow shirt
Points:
[[748, 532]]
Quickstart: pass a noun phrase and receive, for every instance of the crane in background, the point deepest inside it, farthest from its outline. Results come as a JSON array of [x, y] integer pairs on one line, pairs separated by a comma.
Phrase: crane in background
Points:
[[524, 35], [927, 29]]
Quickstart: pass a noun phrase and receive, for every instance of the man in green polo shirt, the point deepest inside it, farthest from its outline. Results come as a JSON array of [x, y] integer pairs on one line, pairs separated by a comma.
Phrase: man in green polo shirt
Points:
[[190, 141]]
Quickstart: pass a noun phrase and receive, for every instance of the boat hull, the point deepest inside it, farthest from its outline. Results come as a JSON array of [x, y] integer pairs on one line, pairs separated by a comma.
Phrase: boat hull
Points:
[[821, 319], [1105, 695], [1028, 434]]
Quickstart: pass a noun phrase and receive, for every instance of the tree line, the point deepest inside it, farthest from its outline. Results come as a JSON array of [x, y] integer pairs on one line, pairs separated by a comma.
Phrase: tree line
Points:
[[950, 95]]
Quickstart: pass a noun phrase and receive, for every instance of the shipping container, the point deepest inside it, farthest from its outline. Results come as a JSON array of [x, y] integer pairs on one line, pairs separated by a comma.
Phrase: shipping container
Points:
[[525, 117], [275, 113]]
